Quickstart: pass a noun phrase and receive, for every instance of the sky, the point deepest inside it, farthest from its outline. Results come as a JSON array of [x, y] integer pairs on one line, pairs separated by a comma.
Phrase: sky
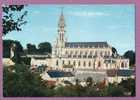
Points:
[[114, 24]]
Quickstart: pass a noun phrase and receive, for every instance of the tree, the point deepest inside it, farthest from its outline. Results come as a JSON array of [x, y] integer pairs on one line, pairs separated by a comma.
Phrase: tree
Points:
[[19, 82], [44, 47], [115, 90], [6, 49], [77, 82], [31, 48], [89, 81], [131, 56], [129, 85], [13, 18]]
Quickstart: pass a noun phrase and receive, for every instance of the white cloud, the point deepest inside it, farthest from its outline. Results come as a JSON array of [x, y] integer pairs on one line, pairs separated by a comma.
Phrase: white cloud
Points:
[[88, 14]]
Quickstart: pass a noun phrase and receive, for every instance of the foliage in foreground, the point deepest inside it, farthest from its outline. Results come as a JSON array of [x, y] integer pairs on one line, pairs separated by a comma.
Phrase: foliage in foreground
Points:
[[19, 82], [13, 18]]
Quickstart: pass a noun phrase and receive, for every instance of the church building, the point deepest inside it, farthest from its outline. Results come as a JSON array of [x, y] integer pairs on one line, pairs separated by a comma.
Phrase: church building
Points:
[[81, 55]]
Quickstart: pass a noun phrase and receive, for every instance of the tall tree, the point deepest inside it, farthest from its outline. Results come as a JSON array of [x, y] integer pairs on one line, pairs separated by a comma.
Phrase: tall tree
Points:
[[131, 56], [13, 18], [7, 45]]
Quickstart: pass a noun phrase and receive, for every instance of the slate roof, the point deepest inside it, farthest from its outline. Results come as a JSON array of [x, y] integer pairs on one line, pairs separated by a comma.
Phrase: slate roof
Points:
[[86, 44], [55, 74], [125, 72], [112, 73]]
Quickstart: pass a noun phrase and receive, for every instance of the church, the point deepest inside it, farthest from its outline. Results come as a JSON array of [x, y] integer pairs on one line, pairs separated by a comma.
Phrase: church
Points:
[[80, 55]]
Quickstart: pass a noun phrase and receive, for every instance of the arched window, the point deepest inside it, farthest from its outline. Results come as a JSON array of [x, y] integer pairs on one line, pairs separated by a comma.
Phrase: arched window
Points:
[[79, 63], [89, 64], [56, 62], [63, 62], [74, 63], [69, 62], [122, 64], [84, 64], [99, 64]]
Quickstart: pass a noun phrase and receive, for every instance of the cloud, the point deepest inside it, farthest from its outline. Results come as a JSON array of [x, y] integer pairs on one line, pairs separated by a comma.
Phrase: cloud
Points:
[[88, 14]]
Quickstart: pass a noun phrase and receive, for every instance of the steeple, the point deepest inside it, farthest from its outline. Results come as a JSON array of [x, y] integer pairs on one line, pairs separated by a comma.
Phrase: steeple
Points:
[[60, 40], [61, 30]]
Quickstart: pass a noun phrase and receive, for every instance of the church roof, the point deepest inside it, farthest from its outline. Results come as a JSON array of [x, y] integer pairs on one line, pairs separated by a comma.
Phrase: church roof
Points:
[[86, 44]]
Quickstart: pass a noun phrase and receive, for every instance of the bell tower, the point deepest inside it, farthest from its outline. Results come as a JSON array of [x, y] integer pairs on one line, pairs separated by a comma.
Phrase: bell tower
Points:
[[61, 31], [61, 40]]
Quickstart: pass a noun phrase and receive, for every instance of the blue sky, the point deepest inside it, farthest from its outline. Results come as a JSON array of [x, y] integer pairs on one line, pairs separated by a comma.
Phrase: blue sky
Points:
[[112, 23]]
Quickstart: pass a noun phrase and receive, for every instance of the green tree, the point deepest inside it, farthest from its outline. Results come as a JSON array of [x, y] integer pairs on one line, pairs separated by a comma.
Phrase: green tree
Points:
[[89, 82], [13, 18], [129, 85], [131, 56], [115, 90], [31, 48], [66, 91], [19, 81], [44, 47], [17, 51]]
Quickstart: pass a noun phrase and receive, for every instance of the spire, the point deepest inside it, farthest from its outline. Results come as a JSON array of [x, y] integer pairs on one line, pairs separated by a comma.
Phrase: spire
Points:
[[62, 11], [61, 19], [61, 40], [61, 28]]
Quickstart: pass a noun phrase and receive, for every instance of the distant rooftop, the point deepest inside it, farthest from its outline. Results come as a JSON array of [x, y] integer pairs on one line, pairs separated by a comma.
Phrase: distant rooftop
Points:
[[56, 74], [86, 44], [112, 73], [95, 76]]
